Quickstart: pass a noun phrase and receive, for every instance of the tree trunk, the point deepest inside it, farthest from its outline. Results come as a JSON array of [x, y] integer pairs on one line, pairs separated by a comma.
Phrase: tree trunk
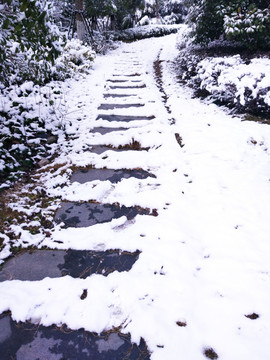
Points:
[[157, 9], [79, 20], [158, 18]]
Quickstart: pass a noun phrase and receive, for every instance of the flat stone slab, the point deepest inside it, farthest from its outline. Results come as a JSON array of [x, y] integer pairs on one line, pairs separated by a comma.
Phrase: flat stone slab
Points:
[[118, 106], [26, 341], [125, 118], [107, 130], [81, 264], [34, 265], [114, 176], [115, 81], [128, 75], [99, 149], [117, 95], [127, 86], [74, 214]]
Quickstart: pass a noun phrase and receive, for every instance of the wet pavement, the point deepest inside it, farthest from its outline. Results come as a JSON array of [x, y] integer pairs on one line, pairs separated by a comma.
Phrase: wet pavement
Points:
[[27, 341]]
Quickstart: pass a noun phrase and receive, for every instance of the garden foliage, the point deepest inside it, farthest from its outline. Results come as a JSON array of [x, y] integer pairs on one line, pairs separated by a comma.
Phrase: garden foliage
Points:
[[29, 41], [245, 21]]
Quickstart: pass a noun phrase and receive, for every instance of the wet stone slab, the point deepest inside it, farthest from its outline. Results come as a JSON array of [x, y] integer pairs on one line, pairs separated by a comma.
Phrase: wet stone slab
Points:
[[115, 81], [128, 86], [128, 75], [74, 214], [85, 263], [107, 130], [124, 118], [84, 175], [118, 106], [100, 149], [35, 265], [117, 95], [26, 341]]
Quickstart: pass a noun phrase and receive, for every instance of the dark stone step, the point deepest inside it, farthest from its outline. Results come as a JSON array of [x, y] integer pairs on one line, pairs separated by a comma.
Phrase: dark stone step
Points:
[[117, 81], [128, 75], [85, 263], [36, 265], [124, 118], [123, 81], [26, 341], [128, 87], [74, 214], [114, 176], [100, 149], [118, 106], [117, 95], [106, 130]]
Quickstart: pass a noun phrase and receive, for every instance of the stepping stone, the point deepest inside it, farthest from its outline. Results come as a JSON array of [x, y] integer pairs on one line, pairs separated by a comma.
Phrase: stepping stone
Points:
[[128, 87], [125, 118], [26, 341], [123, 81], [118, 106], [33, 265], [100, 149], [81, 264], [36, 265], [84, 175], [117, 81], [128, 75], [117, 95], [74, 214], [106, 130]]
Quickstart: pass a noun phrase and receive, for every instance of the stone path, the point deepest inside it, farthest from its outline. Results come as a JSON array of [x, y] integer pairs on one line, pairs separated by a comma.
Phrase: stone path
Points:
[[29, 341]]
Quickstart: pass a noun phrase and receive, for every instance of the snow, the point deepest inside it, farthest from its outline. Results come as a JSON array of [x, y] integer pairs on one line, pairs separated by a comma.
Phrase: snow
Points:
[[233, 71], [204, 259]]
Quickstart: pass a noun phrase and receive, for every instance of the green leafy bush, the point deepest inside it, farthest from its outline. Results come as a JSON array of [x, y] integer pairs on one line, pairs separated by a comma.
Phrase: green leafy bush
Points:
[[29, 41], [248, 24], [240, 20]]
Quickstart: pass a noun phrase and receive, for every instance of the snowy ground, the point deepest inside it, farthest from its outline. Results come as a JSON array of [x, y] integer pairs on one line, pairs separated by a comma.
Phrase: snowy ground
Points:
[[204, 262]]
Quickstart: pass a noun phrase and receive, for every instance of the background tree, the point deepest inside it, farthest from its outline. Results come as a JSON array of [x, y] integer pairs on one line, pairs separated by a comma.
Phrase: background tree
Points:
[[79, 7], [175, 10], [153, 7], [126, 12]]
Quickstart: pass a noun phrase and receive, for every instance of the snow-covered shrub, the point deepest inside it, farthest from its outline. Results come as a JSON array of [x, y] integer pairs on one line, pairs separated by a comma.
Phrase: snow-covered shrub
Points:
[[75, 58], [250, 25], [29, 41], [242, 85], [144, 21], [31, 118], [242, 20], [147, 31]]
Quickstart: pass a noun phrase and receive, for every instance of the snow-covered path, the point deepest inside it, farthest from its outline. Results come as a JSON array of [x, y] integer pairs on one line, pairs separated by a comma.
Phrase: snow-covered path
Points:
[[201, 285]]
